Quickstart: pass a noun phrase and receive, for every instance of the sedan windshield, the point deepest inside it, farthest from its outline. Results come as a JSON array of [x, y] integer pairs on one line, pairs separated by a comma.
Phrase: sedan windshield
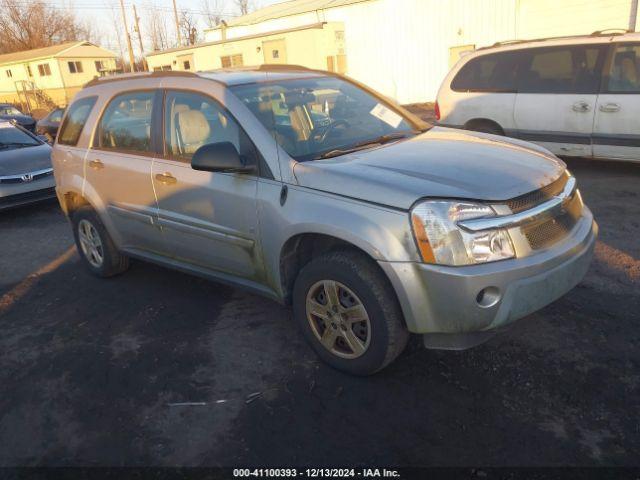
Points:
[[323, 117], [12, 137], [9, 110]]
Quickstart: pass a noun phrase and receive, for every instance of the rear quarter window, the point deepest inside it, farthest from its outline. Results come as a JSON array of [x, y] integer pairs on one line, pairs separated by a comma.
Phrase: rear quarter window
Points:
[[75, 120], [494, 72]]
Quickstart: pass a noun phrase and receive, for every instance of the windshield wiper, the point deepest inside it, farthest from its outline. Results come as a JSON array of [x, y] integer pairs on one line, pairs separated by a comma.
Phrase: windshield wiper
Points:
[[381, 140]]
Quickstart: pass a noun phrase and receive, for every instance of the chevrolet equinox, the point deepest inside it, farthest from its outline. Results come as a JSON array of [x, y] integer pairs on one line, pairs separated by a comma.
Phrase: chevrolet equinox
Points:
[[312, 189]]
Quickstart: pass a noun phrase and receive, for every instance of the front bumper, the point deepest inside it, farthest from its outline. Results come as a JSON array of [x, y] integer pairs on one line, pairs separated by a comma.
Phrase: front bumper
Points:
[[16, 195], [439, 300]]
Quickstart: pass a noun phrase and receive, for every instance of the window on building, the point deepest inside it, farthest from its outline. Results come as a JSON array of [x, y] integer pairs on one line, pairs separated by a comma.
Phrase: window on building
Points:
[[9, 74], [569, 69], [186, 65], [126, 123], [100, 66], [73, 124], [75, 67], [44, 69], [29, 72], [165, 68], [624, 74], [229, 61]]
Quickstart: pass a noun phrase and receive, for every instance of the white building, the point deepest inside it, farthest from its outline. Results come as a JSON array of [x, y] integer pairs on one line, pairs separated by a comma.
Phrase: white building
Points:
[[403, 48]]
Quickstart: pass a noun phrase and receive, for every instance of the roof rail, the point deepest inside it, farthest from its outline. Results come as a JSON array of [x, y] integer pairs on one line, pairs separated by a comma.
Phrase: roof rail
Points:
[[608, 33], [271, 67], [137, 75], [611, 31]]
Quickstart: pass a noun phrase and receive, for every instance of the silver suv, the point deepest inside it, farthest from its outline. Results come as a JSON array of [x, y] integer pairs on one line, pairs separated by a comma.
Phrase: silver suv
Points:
[[311, 189]]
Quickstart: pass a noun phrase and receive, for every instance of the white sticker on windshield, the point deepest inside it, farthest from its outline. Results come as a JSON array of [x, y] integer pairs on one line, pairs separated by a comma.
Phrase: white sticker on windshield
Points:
[[387, 115]]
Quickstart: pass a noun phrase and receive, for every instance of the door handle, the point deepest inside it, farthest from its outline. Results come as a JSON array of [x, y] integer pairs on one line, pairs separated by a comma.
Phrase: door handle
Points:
[[610, 108], [96, 164], [581, 107], [166, 178]]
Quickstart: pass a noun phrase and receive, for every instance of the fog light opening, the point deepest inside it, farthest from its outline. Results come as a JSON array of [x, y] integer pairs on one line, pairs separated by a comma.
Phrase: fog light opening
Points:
[[488, 297]]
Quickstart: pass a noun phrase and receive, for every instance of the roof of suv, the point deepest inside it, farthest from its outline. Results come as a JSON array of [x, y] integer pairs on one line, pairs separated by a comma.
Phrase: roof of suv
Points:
[[595, 37], [228, 77]]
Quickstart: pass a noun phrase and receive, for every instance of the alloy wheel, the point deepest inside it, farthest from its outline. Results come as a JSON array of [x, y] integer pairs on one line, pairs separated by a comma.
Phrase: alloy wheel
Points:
[[90, 243], [338, 319]]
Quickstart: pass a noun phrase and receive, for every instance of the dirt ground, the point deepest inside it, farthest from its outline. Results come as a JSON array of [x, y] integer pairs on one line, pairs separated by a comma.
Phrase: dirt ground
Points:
[[96, 372]]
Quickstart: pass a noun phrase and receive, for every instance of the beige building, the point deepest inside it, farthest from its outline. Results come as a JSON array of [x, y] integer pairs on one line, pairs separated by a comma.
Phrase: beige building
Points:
[[402, 48], [318, 45], [51, 76]]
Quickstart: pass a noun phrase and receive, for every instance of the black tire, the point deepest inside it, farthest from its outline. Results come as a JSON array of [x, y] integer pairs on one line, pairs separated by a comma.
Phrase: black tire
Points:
[[485, 127], [113, 262], [388, 335]]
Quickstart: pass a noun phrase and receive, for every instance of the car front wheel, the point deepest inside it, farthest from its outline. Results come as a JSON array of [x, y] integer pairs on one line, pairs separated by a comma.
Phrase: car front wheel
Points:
[[349, 313]]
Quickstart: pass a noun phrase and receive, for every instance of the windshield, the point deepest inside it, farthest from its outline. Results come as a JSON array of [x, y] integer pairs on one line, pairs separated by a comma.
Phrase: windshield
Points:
[[12, 137], [9, 110], [315, 118]]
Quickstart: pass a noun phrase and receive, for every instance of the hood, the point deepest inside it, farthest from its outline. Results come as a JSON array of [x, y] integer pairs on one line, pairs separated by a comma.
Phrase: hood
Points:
[[24, 160], [21, 119], [442, 162]]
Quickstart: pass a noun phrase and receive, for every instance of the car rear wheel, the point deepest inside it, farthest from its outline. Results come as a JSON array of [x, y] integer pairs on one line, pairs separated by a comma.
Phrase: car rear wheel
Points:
[[95, 246], [349, 313]]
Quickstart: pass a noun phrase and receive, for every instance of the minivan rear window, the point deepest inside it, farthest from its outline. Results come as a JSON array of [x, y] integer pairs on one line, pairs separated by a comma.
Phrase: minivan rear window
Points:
[[74, 121], [494, 72]]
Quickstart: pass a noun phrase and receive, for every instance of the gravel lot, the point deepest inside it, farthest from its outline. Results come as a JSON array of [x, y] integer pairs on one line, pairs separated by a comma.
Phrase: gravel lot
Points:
[[92, 369]]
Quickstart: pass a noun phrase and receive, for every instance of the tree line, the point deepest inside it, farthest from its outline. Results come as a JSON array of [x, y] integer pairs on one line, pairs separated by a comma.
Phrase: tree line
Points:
[[26, 25]]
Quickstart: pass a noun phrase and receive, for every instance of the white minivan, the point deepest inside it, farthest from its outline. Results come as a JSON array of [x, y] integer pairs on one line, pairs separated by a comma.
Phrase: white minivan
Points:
[[576, 96]]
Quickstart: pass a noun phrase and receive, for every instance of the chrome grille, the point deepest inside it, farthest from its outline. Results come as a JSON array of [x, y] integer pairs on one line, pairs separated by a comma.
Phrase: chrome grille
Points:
[[32, 177], [553, 230], [530, 200]]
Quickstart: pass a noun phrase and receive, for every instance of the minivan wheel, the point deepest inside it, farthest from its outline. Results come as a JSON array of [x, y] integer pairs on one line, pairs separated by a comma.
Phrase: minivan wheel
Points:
[[484, 127], [349, 313], [95, 246]]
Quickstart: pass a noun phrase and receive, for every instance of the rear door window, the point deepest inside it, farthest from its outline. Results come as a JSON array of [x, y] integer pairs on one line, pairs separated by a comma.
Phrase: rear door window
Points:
[[126, 123], [566, 69], [624, 73], [74, 122], [494, 72]]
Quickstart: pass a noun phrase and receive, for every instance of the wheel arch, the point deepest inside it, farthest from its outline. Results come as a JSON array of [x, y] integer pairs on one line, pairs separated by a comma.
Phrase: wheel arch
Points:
[[477, 122], [301, 248]]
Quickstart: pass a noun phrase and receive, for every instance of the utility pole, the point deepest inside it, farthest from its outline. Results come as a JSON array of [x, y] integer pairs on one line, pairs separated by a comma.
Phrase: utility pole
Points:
[[132, 61], [633, 15], [175, 12], [137, 29]]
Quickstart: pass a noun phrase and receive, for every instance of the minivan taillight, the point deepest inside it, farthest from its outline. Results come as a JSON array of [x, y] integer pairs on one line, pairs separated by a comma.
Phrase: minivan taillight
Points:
[[437, 109]]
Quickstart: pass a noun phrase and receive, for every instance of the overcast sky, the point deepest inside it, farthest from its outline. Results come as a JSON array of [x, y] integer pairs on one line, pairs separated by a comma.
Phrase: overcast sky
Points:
[[105, 16]]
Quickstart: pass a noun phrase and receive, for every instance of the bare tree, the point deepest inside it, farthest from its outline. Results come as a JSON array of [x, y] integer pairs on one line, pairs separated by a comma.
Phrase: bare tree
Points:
[[244, 6], [36, 24], [212, 12], [157, 30], [188, 27]]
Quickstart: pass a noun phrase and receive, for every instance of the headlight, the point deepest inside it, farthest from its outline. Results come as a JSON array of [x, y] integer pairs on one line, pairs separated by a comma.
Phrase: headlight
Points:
[[442, 242]]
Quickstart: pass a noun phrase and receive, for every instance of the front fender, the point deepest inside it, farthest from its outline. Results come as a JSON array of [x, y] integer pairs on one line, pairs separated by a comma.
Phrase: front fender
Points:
[[383, 233]]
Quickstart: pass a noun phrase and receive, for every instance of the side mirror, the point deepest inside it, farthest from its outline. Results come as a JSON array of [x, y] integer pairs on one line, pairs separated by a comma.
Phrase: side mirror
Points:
[[219, 157]]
